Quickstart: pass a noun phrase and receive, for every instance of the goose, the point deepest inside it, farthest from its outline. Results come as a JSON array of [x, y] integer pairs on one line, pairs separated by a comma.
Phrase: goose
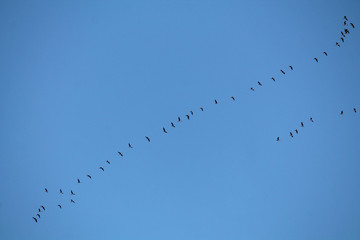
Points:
[[88, 176], [216, 102], [172, 124], [282, 71], [273, 79], [102, 168], [325, 53], [35, 219], [252, 89], [164, 130], [259, 83], [108, 162], [130, 145], [72, 193], [120, 154], [316, 59], [202, 109], [232, 97], [291, 67], [147, 138]]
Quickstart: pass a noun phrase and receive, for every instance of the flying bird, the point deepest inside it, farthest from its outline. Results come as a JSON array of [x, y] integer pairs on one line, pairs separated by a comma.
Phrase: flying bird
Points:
[[345, 23], [282, 71], [72, 201], [164, 130], [311, 120], [296, 131], [108, 161], [188, 117], [88, 176], [35, 219], [120, 154], [78, 180], [61, 192], [59, 206], [354, 109], [291, 134], [337, 44], [273, 79], [346, 31], [345, 18], [101, 168], [291, 67], [202, 109], [352, 25], [172, 124], [38, 215], [259, 83], [325, 53], [72, 193], [42, 207], [147, 138], [232, 97], [342, 34], [130, 145], [278, 139], [302, 124], [216, 102], [39, 210], [192, 113], [316, 59], [342, 39], [342, 112], [179, 120], [252, 89], [46, 190]]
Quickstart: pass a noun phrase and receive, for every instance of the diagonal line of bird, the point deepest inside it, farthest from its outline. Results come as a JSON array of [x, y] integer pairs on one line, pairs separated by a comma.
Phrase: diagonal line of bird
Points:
[[344, 33]]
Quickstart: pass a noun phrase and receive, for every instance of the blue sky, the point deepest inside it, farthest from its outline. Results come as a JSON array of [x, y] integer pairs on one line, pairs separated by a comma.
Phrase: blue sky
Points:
[[81, 79]]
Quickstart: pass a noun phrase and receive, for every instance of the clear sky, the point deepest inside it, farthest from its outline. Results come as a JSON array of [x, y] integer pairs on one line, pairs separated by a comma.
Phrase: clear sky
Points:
[[81, 79]]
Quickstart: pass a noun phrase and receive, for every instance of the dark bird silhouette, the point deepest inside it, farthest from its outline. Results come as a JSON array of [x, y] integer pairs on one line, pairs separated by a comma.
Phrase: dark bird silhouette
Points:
[[325, 53], [72, 201], [252, 89], [39, 210], [302, 124], [78, 180], [88, 176], [216, 102], [355, 110], [337, 44], [130, 145], [342, 34], [278, 139], [35, 219], [192, 113], [282, 71], [46, 190], [352, 25], [345, 18], [346, 31], [291, 134], [102, 168], [172, 124], [188, 117], [232, 97], [108, 161], [342, 39], [345, 23], [273, 79], [164, 130], [72, 193], [42, 207], [61, 192], [342, 112], [179, 120], [59, 206], [38, 215], [202, 109], [147, 138], [120, 154], [316, 59], [259, 83], [296, 131], [311, 120], [291, 67]]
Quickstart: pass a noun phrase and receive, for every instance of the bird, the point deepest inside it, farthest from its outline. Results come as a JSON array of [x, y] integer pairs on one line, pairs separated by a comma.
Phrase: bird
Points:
[[346, 31], [202, 109], [273, 79], [345, 18], [316, 59], [172, 124], [147, 138], [345, 23], [311, 120], [108, 161], [35, 219], [39, 210], [72, 201], [278, 139], [88, 176], [72, 193], [188, 117], [130, 145], [61, 192], [342, 39], [354, 109], [342, 34], [232, 97], [325, 53], [302, 124], [120, 154], [78, 180], [101, 168], [59, 206], [337, 44], [291, 134], [296, 131], [216, 102], [179, 120], [342, 112], [259, 83], [42, 207], [352, 25], [46, 190], [252, 89], [192, 113], [38, 215], [282, 71], [164, 130], [291, 67]]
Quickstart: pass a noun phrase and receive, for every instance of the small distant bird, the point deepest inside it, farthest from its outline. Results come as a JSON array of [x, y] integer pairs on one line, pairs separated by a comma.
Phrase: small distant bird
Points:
[[38, 215], [39, 210], [302, 124], [282, 71], [59, 206], [216, 102], [346, 31], [72, 193], [337, 44], [342, 112], [61, 192], [316, 59], [311, 120], [42, 207], [46, 190], [188, 117], [325, 53], [291, 134], [101, 168], [130, 145], [35, 219], [172, 124], [278, 139], [296, 131], [72, 201], [291, 67], [259, 83], [147, 138], [192, 113], [202, 109], [252, 89], [342, 39], [120, 154], [345, 23], [88, 176], [78, 180], [355, 110], [352, 25], [232, 97], [273, 79], [179, 120], [342, 34], [345, 18], [108, 161], [164, 130]]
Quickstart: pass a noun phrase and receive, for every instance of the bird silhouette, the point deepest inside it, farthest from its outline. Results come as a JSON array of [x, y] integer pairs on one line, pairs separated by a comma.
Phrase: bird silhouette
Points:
[[72, 193], [296, 131], [101, 168], [46, 190], [278, 139], [345, 18], [78, 180], [188, 117], [172, 124], [355, 110], [342, 39], [179, 120], [130, 145], [42, 207], [147, 138], [164, 130], [337, 44], [342, 34], [259, 83], [252, 89], [345, 23], [61, 192], [72, 201], [108, 161], [39, 210], [192, 113], [302, 124], [59, 206], [291, 134], [120, 154], [316, 59], [38, 215], [291, 67], [232, 97], [311, 120], [88, 176], [35, 219], [202, 109], [346, 31], [352, 25], [273, 79], [282, 71], [325, 53], [216, 102], [342, 112]]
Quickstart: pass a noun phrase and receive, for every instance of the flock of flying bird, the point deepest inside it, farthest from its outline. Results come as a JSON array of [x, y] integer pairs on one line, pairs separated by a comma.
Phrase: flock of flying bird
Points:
[[343, 35]]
